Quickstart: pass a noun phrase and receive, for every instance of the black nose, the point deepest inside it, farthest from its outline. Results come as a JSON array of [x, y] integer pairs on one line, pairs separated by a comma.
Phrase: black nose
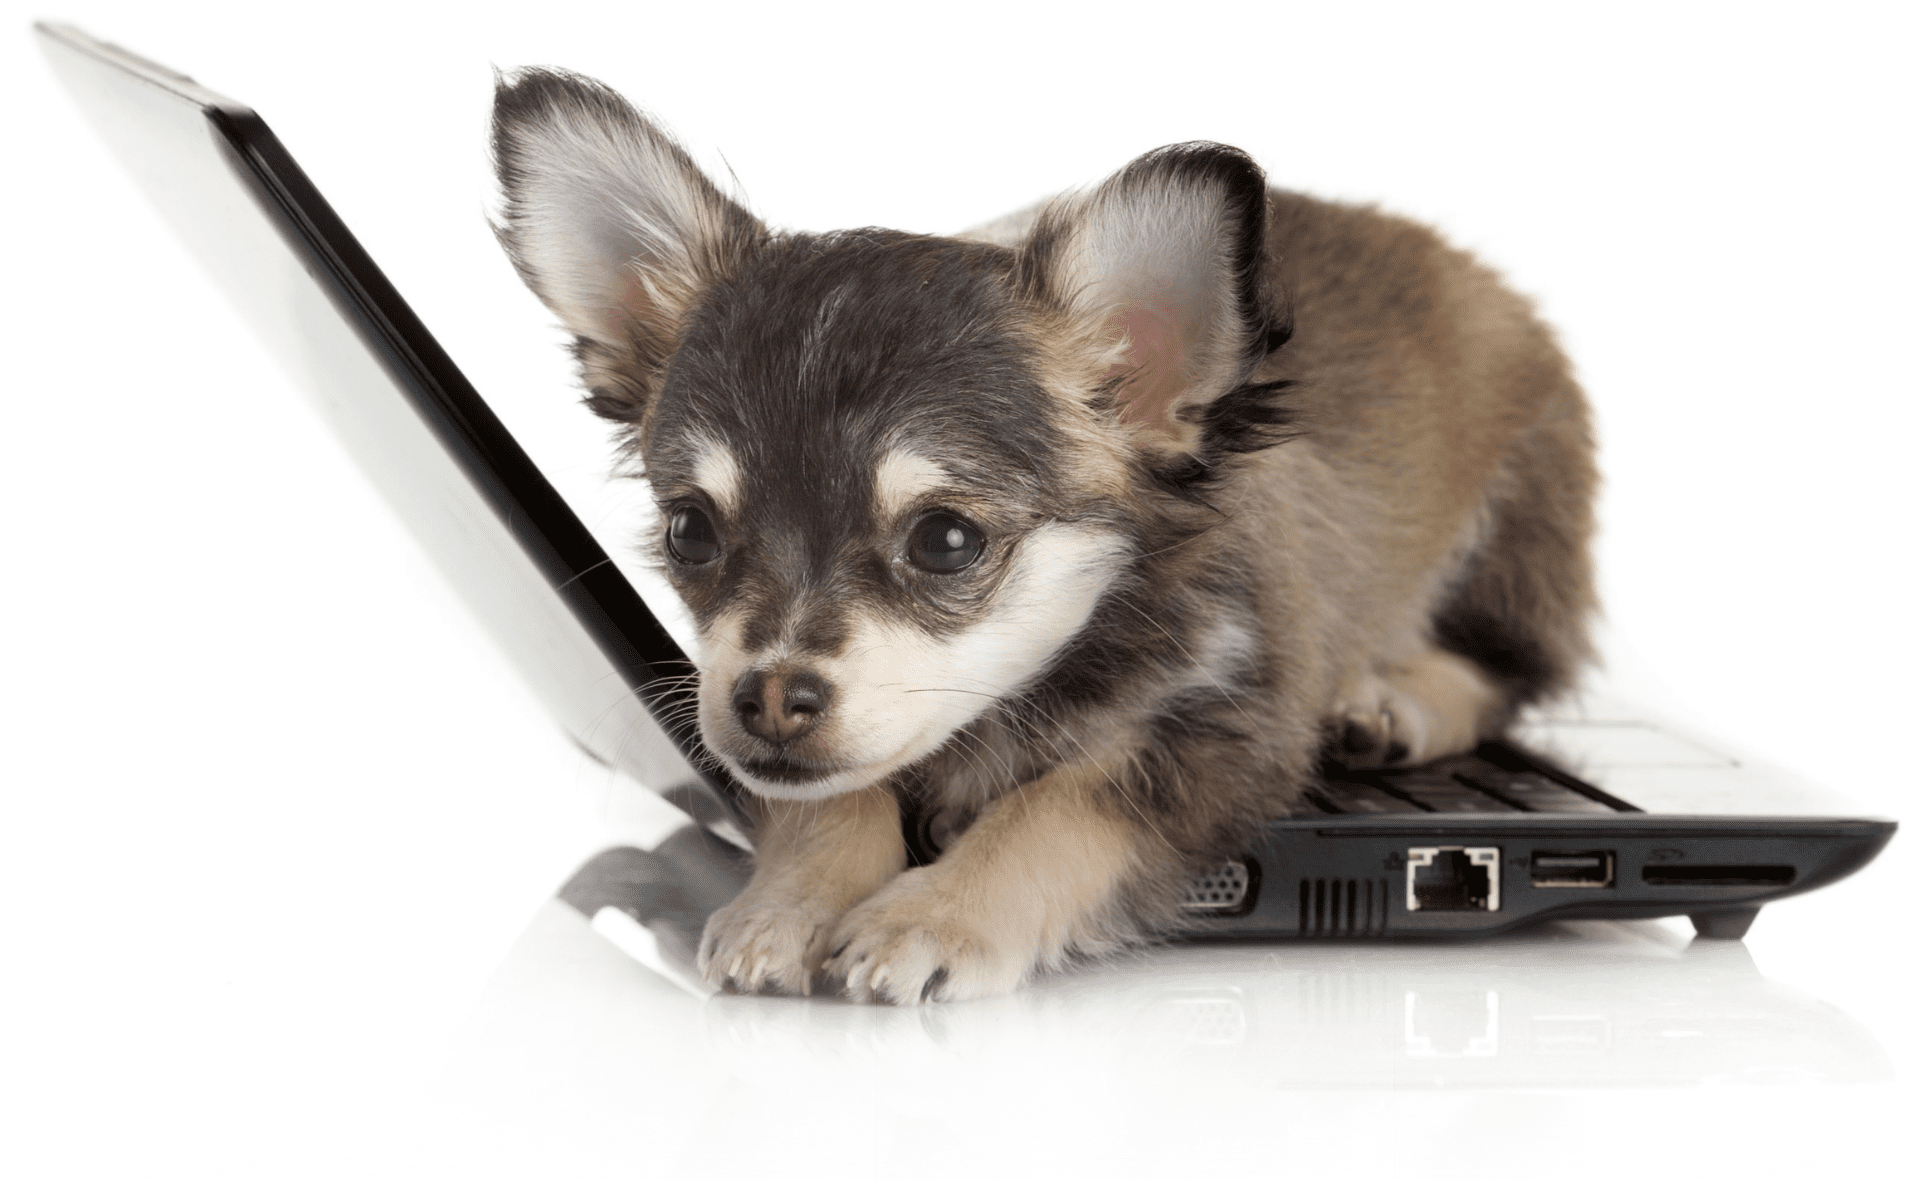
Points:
[[781, 707]]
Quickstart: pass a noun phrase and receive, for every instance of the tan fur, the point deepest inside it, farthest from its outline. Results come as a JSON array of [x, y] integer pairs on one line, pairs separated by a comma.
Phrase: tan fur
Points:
[[1027, 885], [1246, 545], [815, 859], [1433, 705], [1075, 357], [718, 474], [903, 478], [1444, 456], [1445, 453]]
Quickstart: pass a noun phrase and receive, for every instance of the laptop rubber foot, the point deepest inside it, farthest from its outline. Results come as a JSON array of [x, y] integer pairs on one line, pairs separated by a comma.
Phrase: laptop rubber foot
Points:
[[1732, 923]]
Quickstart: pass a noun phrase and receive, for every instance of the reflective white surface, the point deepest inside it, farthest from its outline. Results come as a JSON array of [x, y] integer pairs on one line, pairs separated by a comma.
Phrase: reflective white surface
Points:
[[272, 814], [1327, 1054], [1283, 1056]]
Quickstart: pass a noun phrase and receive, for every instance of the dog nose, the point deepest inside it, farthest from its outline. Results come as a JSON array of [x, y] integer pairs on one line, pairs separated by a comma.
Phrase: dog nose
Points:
[[780, 707]]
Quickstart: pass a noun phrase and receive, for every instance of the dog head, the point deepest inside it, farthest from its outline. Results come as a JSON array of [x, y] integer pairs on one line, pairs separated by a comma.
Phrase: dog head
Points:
[[895, 473]]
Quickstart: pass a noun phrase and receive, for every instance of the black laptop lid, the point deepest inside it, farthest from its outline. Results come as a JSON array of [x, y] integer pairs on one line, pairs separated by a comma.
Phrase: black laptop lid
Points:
[[511, 547]]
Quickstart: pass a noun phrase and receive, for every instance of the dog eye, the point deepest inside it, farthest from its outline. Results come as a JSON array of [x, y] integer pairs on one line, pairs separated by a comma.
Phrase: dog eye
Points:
[[692, 538], [944, 543]]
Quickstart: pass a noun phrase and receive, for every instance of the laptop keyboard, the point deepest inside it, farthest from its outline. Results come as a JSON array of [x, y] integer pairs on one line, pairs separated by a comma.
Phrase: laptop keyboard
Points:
[[1494, 777]]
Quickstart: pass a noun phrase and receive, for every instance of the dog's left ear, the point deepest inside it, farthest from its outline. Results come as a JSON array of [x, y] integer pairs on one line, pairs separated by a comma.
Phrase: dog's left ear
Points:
[[1161, 277]]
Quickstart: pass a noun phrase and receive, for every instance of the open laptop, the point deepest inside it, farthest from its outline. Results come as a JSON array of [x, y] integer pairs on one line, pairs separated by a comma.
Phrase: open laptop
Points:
[[1591, 811]]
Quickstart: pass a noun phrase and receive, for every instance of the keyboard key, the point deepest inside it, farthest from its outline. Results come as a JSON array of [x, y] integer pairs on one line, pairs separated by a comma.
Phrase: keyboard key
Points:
[[1361, 799], [1535, 792], [1441, 792]]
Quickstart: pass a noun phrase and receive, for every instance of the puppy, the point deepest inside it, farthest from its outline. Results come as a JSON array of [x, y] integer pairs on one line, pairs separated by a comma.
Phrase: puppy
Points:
[[1083, 536]]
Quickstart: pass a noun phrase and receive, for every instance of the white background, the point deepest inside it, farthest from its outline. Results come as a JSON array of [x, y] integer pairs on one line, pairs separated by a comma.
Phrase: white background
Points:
[[270, 808]]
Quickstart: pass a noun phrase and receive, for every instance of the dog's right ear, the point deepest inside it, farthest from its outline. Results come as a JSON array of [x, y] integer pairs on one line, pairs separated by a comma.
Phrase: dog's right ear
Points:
[[610, 223]]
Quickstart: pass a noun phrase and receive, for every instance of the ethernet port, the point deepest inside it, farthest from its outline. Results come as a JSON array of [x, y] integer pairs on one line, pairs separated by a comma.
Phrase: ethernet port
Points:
[[1453, 878]]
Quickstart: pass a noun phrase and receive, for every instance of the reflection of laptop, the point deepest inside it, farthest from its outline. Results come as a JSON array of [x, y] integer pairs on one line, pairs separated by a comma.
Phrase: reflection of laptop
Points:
[[1476, 843]]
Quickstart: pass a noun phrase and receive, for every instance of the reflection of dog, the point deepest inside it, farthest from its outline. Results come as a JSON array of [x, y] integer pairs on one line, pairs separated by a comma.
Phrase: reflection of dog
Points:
[[1082, 532]]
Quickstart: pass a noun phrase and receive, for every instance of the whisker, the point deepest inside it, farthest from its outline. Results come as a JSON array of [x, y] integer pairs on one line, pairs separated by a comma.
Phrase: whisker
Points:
[[1193, 662]]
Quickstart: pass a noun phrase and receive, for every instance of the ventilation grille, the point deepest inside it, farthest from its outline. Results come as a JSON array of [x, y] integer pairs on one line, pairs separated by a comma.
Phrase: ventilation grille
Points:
[[1344, 909], [1228, 888]]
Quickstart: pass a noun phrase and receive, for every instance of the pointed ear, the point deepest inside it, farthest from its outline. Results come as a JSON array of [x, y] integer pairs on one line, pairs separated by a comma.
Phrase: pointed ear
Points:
[[610, 223], [1162, 278]]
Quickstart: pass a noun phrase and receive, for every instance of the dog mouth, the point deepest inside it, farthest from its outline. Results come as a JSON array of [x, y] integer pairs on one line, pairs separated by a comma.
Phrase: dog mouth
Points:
[[786, 770]]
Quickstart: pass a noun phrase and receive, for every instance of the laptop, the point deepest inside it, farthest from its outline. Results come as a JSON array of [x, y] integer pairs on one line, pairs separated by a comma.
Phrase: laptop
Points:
[[1593, 810]]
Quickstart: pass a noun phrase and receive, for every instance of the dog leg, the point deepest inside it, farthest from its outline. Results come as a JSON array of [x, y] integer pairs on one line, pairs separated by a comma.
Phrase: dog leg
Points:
[[815, 859], [1026, 884], [1434, 704]]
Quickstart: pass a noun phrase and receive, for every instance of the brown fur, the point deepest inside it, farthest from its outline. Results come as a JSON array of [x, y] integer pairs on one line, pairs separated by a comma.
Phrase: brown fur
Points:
[[1442, 425], [1317, 478]]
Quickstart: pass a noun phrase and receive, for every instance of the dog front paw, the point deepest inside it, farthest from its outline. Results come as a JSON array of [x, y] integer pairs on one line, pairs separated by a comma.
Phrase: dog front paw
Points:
[[764, 945], [911, 944]]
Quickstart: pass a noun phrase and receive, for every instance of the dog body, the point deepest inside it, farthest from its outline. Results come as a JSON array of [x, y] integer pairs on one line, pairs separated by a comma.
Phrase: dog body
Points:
[[1083, 535]]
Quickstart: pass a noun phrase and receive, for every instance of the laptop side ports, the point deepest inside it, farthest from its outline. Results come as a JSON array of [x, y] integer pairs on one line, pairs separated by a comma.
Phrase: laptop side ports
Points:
[[1453, 878], [1725, 875], [1571, 870], [1225, 891]]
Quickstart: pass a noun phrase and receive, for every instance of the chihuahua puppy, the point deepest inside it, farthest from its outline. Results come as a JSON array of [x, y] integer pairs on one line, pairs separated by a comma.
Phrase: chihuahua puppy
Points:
[[1084, 536]]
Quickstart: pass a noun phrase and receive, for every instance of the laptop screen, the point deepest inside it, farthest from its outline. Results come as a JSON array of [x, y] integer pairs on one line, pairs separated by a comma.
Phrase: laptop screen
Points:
[[509, 545]]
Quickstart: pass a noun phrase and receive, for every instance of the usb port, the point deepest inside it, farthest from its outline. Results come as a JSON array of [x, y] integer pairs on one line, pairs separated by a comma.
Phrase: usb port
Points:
[[1571, 870]]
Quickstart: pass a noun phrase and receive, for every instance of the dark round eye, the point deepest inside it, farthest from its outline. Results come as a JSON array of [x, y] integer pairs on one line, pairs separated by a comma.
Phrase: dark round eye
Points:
[[944, 543], [693, 538]]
